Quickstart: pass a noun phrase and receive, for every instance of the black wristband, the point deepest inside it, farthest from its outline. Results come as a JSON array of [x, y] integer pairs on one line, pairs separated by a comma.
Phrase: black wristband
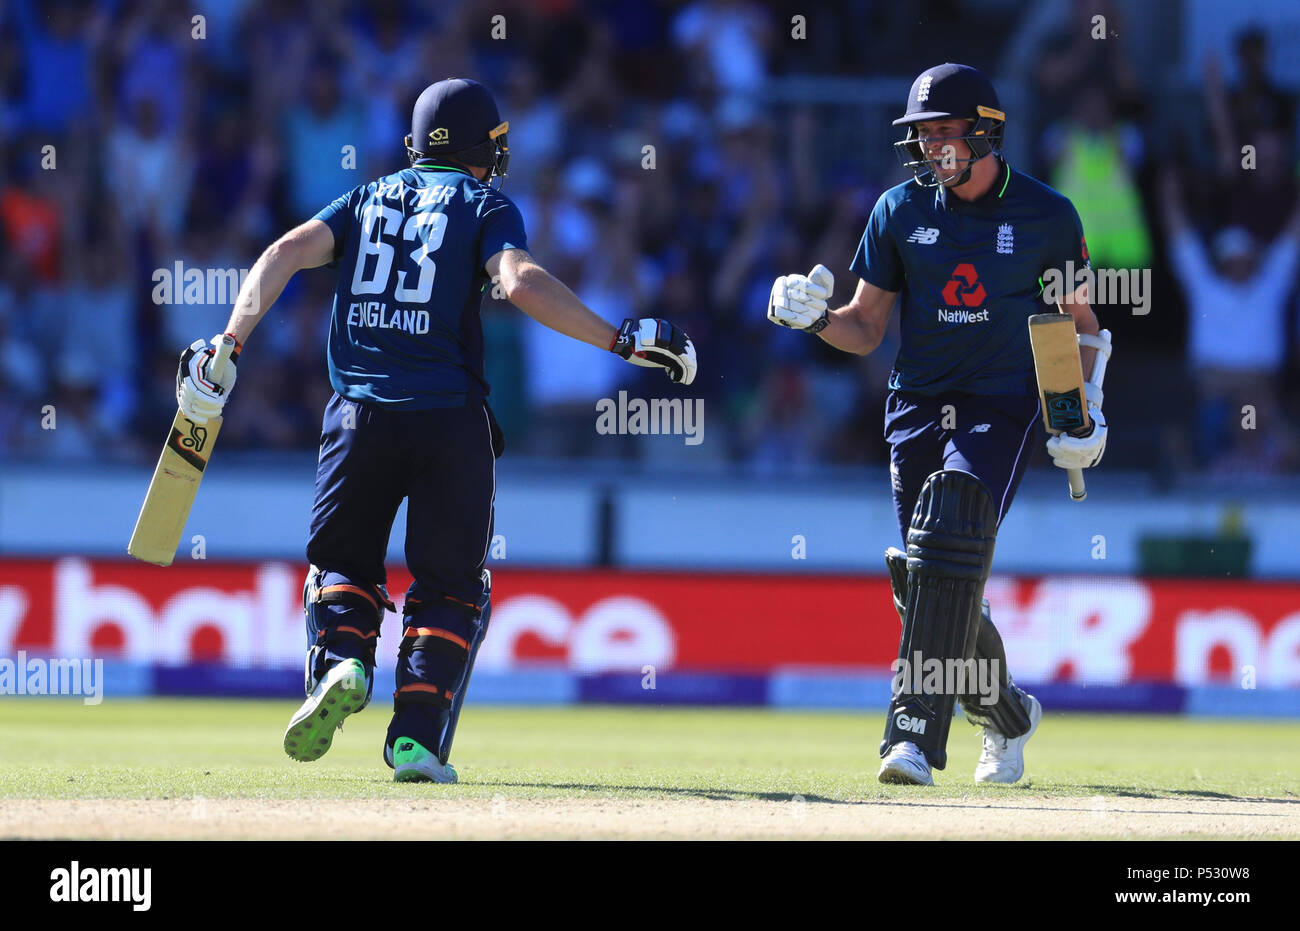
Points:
[[625, 339], [822, 323]]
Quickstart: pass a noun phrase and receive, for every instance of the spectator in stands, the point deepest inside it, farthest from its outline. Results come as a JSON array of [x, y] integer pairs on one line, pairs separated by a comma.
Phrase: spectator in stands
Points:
[[1251, 128], [317, 137], [82, 430], [1257, 101], [535, 117], [726, 41], [1074, 58], [152, 51], [1095, 162], [236, 168], [24, 386], [31, 221], [151, 171], [57, 38], [98, 312], [563, 383], [786, 428], [243, 133], [1237, 307]]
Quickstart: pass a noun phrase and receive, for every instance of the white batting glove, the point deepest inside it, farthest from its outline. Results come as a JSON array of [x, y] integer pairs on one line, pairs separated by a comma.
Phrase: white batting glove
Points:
[[799, 301], [656, 343], [198, 396], [1080, 452]]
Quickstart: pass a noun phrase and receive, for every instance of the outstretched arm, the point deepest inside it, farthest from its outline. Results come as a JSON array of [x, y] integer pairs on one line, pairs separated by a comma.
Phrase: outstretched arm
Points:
[[1216, 103], [546, 299], [202, 392], [307, 246], [647, 342]]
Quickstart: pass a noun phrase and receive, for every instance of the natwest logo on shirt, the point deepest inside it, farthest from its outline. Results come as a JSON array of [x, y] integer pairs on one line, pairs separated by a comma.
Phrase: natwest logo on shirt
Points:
[[963, 288], [964, 316]]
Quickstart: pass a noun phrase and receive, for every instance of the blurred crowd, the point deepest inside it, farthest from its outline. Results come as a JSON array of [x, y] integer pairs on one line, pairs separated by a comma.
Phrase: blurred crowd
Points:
[[658, 174]]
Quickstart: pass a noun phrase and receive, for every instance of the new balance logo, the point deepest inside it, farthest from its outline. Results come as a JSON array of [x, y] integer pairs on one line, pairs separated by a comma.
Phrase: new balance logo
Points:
[[925, 235], [908, 723], [1006, 239], [980, 428]]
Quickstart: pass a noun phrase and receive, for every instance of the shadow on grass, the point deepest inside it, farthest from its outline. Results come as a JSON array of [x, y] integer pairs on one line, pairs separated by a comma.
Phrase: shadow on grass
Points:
[[713, 795], [1130, 792], [1004, 801]]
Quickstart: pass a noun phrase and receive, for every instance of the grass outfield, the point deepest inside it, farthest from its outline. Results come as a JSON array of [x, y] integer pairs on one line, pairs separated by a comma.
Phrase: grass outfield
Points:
[[216, 769], [157, 748]]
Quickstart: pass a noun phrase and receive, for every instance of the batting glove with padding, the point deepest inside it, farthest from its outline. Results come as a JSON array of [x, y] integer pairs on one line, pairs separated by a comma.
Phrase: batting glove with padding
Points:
[[1080, 452], [799, 301], [199, 397], [657, 343]]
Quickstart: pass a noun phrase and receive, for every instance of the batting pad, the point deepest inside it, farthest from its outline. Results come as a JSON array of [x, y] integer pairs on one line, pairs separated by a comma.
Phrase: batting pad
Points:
[[949, 555]]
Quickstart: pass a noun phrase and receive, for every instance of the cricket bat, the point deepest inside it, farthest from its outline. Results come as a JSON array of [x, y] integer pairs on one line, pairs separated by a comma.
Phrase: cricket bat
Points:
[[176, 478], [1060, 382]]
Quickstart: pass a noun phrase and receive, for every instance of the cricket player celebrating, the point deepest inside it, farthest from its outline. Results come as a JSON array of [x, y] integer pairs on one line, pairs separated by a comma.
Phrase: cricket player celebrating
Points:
[[967, 246], [409, 419]]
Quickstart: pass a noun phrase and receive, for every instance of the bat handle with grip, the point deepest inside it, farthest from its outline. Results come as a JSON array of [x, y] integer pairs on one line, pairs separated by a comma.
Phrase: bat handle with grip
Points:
[[217, 367], [1078, 491]]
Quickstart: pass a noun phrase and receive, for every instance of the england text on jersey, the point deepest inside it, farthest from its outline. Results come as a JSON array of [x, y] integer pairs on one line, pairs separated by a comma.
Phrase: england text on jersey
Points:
[[411, 249]]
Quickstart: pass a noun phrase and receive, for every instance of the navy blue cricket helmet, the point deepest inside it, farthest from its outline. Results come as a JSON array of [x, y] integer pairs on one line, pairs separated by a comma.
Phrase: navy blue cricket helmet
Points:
[[457, 118], [951, 91]]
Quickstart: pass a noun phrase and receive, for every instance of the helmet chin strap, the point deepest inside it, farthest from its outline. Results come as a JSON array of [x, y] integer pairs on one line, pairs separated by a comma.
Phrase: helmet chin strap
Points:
[[962, 178], [959, 180]]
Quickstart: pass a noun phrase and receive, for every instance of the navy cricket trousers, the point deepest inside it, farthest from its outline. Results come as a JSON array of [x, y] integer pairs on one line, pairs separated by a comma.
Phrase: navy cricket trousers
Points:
[[443, 462], [985, 435]]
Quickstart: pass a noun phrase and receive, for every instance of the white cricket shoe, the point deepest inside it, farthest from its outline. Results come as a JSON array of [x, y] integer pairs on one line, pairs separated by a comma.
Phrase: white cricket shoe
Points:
[[905, 764], [1003, 759]]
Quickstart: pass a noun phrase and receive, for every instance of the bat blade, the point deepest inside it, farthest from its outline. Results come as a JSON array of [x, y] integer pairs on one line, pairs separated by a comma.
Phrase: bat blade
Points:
[[176, 478], [171, 493], [1055, 346]]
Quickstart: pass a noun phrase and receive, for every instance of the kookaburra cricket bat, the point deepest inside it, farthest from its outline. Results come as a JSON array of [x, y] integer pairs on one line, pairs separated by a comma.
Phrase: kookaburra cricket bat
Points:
[[1060, 382], [176, 478]]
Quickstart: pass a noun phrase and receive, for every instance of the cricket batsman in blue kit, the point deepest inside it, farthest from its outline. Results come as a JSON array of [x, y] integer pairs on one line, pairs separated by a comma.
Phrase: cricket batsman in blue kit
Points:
[[415, 252], [967, 243]]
